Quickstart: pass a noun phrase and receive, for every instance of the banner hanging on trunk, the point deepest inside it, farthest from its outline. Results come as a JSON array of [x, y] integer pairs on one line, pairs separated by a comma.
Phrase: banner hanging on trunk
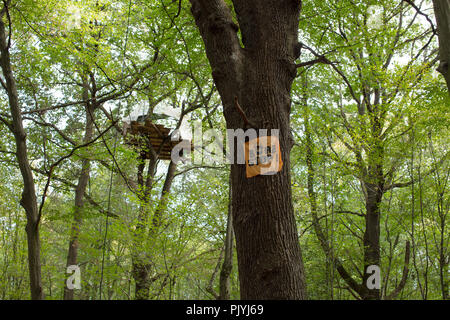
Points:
[[263, 156]]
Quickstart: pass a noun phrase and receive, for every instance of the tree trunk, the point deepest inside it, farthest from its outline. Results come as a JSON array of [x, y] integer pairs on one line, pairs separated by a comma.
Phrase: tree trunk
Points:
[[442, 12], [156, 221], [260, 76], [312, 197], [140, 268], [29, 200], [227, 266], [80, 190], [371, 240], [443, 256], [373, 184], [142, 261]]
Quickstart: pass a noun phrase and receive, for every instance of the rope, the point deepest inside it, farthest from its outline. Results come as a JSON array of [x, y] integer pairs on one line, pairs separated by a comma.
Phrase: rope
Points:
[[114, 153]]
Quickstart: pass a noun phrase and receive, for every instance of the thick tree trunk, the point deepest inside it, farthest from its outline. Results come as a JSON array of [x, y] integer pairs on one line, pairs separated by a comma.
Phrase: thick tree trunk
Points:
[[260, 76], [80, 190], [442, 12], [29, 200]]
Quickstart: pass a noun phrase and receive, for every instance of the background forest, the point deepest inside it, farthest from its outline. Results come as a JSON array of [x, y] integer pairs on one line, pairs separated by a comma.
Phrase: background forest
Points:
[[368, 109]]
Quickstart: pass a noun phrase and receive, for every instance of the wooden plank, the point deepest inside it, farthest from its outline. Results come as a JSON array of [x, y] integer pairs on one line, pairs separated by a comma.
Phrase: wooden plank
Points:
[[156, 134]]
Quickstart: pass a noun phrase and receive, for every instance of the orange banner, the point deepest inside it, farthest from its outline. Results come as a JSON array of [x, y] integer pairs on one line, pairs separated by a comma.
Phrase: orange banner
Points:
[[263, 156]]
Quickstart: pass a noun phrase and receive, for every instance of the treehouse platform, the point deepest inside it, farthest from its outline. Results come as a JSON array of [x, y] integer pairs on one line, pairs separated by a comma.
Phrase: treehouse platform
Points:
[[144, 136]]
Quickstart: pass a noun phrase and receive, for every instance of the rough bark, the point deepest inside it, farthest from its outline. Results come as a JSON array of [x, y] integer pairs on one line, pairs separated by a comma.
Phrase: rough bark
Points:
[[28, 200], [260, 75], [442, 12], [80, 190]]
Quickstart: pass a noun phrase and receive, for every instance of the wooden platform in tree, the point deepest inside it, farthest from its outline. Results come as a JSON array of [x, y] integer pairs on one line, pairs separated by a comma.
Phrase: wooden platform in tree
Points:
[[142, 135]]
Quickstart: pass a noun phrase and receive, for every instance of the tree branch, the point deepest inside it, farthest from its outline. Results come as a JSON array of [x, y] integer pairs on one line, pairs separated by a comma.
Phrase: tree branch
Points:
[[402, 283], [222, 46], [54, 165]]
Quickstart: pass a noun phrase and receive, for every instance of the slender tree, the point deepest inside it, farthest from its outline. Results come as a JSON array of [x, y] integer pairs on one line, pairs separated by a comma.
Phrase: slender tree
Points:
[[80, 189], [29, 199]]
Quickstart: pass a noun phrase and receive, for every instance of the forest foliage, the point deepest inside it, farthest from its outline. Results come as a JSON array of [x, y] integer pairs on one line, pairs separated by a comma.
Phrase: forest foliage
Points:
[[372, 98]]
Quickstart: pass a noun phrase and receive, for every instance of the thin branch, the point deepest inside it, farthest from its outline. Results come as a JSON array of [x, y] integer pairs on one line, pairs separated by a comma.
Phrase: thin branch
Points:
[[199, 167], [343, 76], [351, 212], [402, 283], [54, 165], [72, 185], [7, 123], [407, 184], [412, 4], [47, 124], [247, 122], [321, 59]]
